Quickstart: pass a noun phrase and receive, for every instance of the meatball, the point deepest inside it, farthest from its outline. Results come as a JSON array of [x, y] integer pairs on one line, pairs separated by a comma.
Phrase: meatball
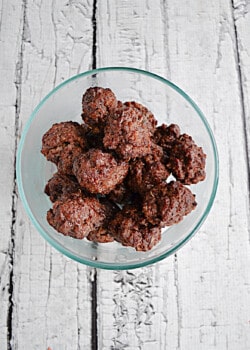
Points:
[[59, 136], [148, 171], [60, 186], [97, 104], [187, 161], [130, 228], [167, 203], [102, 234], [76, 216], [128, 132], [99, 172], [69, 154], [166, 135], [149, 117]]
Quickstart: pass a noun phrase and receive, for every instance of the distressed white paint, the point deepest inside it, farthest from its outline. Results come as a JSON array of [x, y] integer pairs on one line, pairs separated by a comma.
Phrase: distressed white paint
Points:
[[199, 299], [51, 300], [206, 288], [10, 41]]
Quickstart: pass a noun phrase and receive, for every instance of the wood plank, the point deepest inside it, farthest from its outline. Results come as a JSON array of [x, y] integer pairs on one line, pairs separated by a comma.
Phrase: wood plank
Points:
[[52, 306], [11, 17], [200, 298]]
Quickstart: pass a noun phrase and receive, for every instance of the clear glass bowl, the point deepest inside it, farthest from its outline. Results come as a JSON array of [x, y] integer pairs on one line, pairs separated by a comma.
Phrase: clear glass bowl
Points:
[[169, 105]]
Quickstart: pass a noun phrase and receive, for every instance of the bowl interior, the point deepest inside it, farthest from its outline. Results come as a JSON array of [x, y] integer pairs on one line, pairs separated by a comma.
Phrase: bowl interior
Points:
[[169, 105]]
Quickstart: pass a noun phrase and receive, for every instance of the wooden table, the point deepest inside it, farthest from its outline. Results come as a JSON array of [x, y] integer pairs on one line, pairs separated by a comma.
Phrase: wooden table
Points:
[[198, 298]]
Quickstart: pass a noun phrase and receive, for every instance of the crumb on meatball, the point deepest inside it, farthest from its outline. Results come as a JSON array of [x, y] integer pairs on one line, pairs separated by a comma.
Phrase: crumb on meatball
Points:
[[148, 171], [128, 133], [167, 203], [130, 228], [97, 104], [99, 172], [187, 161], [59, 136], [60, 186], [76, 216]]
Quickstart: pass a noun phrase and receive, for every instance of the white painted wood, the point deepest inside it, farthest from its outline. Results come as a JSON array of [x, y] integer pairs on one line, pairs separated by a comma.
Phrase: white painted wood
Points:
[[10, 41], [52, 306], [201, 300], [196, 300]]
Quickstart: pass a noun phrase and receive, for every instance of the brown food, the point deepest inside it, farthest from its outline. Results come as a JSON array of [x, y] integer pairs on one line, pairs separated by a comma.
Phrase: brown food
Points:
[[112, 172], [130, 228], [60, 186], [66, 160], [102, 234], [97, 104], [58, 137], [148, 171], [128, 132], [167, 203], [187, 161], [76, 216], [99, 172]]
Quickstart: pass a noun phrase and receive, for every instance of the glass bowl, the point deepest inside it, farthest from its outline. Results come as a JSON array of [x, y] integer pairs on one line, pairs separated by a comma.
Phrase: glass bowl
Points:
[[169, 105]]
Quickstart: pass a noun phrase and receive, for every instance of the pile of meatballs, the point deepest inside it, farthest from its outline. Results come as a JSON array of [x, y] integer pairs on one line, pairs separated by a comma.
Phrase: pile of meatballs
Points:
[[112, 173]]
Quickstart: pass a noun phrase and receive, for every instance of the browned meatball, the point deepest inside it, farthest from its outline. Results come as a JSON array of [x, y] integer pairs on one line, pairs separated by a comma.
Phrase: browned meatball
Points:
[[59, 136], [60, 186], [76, 216], [99, 172], [66, 160], [148, 171], [187, 161], [184, 158], [149, 117], [167, 204], [130, 228], [102, 234], [166, 135], [97, 104], [128, 132]]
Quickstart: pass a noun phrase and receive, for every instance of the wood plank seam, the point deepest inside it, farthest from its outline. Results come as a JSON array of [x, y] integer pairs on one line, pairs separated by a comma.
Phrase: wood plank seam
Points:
[[18, 81], [241, 94]]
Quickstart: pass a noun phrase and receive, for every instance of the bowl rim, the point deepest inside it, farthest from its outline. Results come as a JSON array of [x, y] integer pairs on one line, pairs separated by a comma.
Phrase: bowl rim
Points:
[[95, 263]]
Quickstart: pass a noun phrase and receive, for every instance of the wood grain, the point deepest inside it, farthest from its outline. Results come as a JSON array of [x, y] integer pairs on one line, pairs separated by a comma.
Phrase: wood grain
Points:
[[196, 304], [51, 294], [11, 24], [197, 299]]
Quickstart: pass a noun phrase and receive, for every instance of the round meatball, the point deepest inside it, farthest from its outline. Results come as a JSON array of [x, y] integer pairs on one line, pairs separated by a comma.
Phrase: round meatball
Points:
[[148, 171], [97, 104], [60, 186], [130, 228], [149, 117], [102, 234], [59, 136], [167, 203], [187, 161], [165, 135], [128, 132], [66, 160], [76, 216], [99, 172]]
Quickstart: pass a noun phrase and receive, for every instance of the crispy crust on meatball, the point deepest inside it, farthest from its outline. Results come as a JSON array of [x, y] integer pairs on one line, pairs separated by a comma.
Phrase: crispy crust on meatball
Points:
[[167, 203], [130, 228], [99, 172], [187, 161], [128, 132], [76, 216], [97, 104], [60, 186], [59, 136]]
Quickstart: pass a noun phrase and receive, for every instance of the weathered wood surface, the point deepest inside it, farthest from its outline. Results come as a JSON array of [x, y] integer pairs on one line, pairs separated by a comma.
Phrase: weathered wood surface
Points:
[[197, 299]]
